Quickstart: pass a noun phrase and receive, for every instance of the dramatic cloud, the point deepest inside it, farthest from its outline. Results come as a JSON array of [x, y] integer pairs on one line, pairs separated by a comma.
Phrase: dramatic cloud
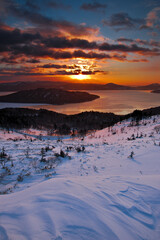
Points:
[[137, 60], [154, 43], [122, 21], [62, 42], [151, 43], [132, 49], [90, 55], [152, 20], [8, 60], [24, 45], [77, 72], [58, 66], [31, 72], [33, 61], [95, 6], [39, 38], [44, 22], [153, 17], [85, 44], [15, 36], [122, 39]]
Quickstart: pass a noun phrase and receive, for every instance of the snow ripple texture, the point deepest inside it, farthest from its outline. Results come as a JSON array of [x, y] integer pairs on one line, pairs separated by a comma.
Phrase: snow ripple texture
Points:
[[103, 193]]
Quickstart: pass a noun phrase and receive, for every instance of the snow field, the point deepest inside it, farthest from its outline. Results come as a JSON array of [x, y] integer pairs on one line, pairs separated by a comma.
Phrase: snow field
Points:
[[106, 188]]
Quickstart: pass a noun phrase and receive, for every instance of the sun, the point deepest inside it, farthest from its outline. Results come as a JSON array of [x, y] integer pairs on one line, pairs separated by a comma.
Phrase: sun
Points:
[[80, 77]]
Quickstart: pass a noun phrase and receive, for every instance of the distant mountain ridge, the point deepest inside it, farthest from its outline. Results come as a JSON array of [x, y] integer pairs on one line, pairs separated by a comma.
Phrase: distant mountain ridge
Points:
[[153, 86], [113, 86], [19, 86], [48, 96]]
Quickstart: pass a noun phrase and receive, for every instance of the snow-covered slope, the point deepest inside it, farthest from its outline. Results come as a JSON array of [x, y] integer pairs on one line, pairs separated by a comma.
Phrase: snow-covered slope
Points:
[[105, 186]]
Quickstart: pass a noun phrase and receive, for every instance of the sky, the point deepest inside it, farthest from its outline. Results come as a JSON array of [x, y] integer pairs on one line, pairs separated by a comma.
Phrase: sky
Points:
[[83, 41]]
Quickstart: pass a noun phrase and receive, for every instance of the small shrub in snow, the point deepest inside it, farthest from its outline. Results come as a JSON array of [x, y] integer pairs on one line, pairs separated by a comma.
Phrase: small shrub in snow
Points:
[[62, 154], [157, 129], [27, 174], [131, 138], [3, 157], [151, 134], [105, 143], [3, 153], [48, 175], [131, 155], [80, 149], [27, 152], [114, 132], [139, 136], [12, 165], [69, 148], [95, 168], [83, 148], [48, 149], [43, 155], [20, 178], [122, 129]]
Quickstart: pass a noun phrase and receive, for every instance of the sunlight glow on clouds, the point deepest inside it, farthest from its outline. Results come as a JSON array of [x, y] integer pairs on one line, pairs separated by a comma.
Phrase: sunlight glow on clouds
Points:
[[80, 44]]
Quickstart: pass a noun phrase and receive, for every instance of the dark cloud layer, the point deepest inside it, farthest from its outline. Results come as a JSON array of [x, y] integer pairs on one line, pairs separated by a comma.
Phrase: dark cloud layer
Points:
[[94, 6], [17, 42], [132, 49], [58, 66], [62, 42], [16, 36], [122, 21], [151, 42]]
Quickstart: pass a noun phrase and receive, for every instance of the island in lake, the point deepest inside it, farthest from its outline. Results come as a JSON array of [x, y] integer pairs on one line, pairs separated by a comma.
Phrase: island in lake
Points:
[[156, 91], [48, 96]]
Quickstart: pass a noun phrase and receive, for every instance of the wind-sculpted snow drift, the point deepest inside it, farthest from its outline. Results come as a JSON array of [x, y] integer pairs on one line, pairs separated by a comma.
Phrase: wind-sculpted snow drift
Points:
[[105, 208], [110, 190]]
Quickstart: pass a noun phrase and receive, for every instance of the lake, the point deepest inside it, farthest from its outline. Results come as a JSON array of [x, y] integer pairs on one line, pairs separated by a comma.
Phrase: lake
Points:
[[118, 102]]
